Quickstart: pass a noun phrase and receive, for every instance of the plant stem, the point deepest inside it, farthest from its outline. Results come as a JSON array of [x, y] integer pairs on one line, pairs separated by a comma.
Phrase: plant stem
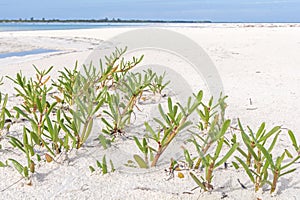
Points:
[[204, 150], [85, 132], [205, 125], [258, 177], [146, 160], [252, 145], [198, 163], [159, 152], [172, 135], [275, 179], [129, 106], [154, 162], [258, 165], [210, 172]]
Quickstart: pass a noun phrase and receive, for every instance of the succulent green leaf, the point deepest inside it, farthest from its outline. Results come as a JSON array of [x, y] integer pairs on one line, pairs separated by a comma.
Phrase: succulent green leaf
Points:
[[219, 148], [245, 166], [224, 128], [21, 113], [199, 183], [290, 163], [140, 161], [269, 134], [279, 161], [288, 153], [104, 165], [227, 155], [188, 158], [92, 169], [149, 129], [293, 139], [2, 164], [26, 172], [287, 172], [235, 165], [112, 166], [140, 146], [273, 143], [17, 166], [266, 154]]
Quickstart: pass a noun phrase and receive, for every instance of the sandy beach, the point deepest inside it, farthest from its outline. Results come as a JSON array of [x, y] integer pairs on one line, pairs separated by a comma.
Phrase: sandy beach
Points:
[[259, 65]]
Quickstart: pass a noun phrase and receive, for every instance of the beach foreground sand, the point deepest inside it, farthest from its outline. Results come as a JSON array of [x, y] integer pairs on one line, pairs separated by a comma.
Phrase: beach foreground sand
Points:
[[259, 67]]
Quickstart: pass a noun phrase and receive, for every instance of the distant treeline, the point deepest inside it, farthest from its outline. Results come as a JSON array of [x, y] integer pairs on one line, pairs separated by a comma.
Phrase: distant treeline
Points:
[[43, 20]]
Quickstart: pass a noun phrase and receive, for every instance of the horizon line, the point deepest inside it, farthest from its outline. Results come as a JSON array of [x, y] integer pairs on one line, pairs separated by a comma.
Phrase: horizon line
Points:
[[118, 20]]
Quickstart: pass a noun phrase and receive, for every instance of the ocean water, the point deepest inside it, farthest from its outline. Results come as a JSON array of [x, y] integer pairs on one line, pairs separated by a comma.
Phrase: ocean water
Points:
[[63, 26], [26, 53], [68, 26], [54, 26]]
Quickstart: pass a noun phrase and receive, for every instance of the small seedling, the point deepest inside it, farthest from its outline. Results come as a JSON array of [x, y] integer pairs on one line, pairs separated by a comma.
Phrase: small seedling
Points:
[[25, 147], [105, 142], [207, 112], [202, 183], [28, 150], [146, 150], [158, 83], [103, 166], [118, 114], [53, 135], [23, 170], [188, 159]]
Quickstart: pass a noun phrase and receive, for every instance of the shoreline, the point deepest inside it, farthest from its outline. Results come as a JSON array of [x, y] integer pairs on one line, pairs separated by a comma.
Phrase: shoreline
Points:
[[40, 26]]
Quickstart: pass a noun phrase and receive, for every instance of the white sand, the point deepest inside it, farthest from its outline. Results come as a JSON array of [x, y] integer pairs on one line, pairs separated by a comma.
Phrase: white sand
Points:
[[260, 63]]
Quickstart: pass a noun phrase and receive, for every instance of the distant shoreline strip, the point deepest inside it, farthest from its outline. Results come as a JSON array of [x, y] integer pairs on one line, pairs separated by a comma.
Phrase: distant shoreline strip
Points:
[[26, 53]]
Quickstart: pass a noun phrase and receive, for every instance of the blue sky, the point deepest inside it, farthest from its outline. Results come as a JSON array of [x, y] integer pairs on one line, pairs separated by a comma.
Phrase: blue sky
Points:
[[215, 10]]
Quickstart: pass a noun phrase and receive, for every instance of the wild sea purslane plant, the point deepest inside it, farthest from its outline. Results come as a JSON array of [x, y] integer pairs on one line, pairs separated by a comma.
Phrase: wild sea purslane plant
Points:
[[173, 121], [260, 160]]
